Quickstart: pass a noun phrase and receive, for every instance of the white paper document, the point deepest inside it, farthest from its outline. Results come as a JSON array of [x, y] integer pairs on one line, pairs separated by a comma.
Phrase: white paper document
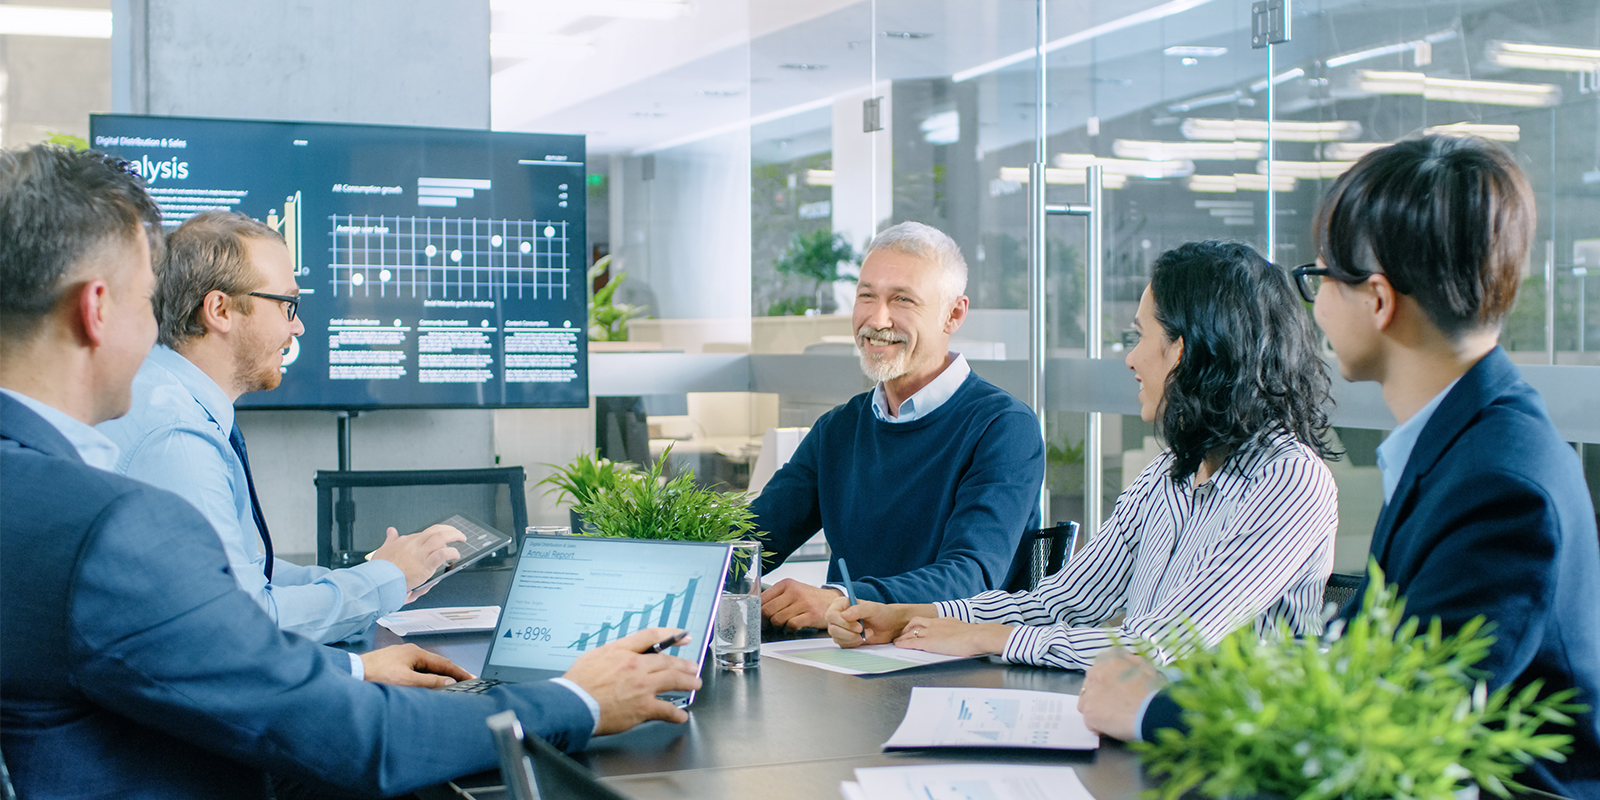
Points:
[[458, 619], [872, 659], [945, 717], [970, 782]]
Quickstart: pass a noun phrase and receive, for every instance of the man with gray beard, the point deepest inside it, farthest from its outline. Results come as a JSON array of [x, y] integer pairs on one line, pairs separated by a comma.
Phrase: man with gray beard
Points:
[[925, 484]]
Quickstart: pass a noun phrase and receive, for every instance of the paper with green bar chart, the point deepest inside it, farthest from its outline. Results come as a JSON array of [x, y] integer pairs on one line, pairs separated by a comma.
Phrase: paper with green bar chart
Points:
[[872, 659]]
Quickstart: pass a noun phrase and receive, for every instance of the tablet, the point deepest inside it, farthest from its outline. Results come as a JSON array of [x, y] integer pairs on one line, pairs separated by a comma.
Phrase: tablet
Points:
[[482, 540]]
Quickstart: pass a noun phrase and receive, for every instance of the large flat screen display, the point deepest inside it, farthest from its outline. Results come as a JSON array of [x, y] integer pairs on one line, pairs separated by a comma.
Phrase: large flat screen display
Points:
[[438, 268]]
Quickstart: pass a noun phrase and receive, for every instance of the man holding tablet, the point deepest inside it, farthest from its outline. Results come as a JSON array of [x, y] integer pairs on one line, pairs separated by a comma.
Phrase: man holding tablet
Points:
[[225, 302]]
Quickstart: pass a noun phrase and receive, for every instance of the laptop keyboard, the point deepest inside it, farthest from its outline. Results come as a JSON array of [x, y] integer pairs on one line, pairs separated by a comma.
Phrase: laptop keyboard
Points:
[[474, 686]]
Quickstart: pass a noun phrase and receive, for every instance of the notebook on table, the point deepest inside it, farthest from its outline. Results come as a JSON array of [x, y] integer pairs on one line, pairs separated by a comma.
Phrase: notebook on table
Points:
[[571, 594]]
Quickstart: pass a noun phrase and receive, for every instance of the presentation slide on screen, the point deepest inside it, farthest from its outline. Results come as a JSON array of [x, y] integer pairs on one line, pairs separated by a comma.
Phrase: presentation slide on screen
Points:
[[573, 594], [437, 267]]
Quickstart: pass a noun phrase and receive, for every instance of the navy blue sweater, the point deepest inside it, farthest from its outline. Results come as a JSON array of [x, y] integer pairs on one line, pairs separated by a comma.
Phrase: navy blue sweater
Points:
[[931, 509]]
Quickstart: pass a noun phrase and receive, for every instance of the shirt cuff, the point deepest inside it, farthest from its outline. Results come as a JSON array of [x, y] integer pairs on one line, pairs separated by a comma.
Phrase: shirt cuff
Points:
[[1138, 718], [590, 702], [390, 581], [955, 609], [358, 667]]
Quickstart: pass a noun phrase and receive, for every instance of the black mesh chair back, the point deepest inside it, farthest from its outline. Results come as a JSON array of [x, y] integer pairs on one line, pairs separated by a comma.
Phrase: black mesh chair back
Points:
[[1341, 590], [1040, 554], [354, 508]]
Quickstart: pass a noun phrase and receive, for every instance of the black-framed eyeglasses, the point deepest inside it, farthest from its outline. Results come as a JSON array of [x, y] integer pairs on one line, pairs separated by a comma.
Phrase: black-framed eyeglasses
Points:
[[1308, 279], [291, 304]]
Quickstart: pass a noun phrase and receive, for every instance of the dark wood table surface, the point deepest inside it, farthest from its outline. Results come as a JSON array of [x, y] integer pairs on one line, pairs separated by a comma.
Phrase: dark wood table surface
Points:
[[779, 731]]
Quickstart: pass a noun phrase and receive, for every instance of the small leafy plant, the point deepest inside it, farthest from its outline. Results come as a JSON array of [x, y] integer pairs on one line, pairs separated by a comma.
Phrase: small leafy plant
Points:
[[608, 319], [653, 507], [588, 477], [1384, 710]]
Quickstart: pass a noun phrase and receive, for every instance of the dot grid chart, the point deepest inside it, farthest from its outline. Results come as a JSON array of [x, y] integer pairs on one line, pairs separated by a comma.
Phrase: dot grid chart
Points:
[[442, 258]]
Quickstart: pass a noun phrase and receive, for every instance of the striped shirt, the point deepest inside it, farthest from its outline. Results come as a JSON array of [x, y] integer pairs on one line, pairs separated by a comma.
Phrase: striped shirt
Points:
[[1253, 543]]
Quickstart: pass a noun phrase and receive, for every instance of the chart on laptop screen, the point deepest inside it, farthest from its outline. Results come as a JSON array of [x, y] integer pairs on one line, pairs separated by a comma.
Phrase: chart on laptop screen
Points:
[[573, 594]]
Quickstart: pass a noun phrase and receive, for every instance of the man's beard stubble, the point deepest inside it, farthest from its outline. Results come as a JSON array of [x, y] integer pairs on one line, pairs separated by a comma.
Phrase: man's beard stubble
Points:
[[878, 368]]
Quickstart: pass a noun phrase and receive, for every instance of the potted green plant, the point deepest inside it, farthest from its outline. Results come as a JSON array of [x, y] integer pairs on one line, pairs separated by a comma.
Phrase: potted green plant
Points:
[[654, 507], [815, 255], [1380, 709], [586, 478], [608, 319]]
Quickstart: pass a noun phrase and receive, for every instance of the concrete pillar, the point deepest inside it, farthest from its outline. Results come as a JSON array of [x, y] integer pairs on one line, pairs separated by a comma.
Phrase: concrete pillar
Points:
[[404, 62]]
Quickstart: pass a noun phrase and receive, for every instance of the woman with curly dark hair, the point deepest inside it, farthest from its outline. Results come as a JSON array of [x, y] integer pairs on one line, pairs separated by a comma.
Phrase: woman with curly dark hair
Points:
[[1233, 524]]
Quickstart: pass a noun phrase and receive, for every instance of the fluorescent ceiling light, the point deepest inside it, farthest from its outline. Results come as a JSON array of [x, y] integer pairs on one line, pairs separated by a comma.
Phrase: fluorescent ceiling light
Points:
[[1195, 51], [1499, 133], [1148, 15], [1192, 151], [1544, 56], [1277, 79], [530, 45], [82, 23], [1173, 168], [1234, 96], [1453, 90], [1350, 151], [1390, 49], [1307, 170], [1063, 177], [1282, 130], [1240, 182], [818, 177]]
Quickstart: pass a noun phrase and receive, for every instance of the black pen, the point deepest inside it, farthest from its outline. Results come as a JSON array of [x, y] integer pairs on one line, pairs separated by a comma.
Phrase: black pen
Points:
[[850, 593], [677, 638]]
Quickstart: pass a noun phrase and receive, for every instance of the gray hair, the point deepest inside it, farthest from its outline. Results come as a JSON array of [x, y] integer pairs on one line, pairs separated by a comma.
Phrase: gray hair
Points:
[[929, 243], [205, 254]]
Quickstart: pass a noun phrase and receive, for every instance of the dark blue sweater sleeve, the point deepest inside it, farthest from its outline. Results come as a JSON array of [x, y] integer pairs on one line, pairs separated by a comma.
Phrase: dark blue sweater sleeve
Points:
[[789, 510], [997, 500]]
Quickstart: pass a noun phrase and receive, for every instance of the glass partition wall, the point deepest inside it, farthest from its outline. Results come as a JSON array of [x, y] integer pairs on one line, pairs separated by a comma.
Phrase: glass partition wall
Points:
[[866, 114]]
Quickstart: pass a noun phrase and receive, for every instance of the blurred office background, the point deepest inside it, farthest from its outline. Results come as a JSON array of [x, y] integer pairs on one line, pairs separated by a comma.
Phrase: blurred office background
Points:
[[727, 141]]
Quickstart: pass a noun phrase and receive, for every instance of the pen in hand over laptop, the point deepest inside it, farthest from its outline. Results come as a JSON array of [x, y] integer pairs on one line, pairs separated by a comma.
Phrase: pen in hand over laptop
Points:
[[677, 638], [850, 592]]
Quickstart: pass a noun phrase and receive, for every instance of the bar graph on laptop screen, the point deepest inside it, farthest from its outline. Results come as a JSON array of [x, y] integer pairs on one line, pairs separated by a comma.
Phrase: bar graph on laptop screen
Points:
[[573, 594]]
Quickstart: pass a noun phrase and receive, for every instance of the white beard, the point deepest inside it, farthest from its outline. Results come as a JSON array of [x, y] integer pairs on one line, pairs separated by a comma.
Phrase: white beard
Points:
[[882, 368]]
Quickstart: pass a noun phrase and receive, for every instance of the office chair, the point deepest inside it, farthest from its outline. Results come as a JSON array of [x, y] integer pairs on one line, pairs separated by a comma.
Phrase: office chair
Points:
[[1341, 590], [1042, 553], [354, 508], [533, 769]]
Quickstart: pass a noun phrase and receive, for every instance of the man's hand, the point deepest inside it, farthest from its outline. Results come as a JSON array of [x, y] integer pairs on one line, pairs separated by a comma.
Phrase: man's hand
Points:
[[410, 665], [1113, 690], [795, 605], [867, 622], [953, 637], [625, 680], [420, 554]]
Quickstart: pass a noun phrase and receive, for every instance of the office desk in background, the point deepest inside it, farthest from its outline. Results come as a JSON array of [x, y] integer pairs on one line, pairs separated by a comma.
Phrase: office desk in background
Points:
[[781, 731]]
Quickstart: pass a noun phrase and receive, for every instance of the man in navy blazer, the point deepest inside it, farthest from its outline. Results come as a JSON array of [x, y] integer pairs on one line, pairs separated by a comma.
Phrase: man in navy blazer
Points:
[[1421, 246], [131, 665]]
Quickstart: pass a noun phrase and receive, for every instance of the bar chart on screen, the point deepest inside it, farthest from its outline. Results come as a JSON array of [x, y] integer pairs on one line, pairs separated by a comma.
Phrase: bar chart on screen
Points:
[[670, 611]]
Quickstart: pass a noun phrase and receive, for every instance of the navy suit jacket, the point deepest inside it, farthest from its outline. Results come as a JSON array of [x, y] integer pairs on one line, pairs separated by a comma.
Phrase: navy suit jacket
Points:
[[1492, 517], [132, 666]]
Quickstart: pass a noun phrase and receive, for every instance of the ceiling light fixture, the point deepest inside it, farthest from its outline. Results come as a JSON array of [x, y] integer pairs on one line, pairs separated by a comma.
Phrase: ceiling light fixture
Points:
[[1499, 133], [818, 177], [1195, 51], [1350, 151], [1391, 49], [1453, 90], [1190, 151], [1282, 130], [1306, 170], [1234, 96], [1280, 78], [1240, 182], [1063, 177], [1544, 56], [1148, 15], [78, 23], [1139, 168]]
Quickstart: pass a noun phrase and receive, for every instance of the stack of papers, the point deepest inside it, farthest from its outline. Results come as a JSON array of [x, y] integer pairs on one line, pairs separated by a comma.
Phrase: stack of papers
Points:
[[872, 659], [945, 717], [458, 619], [965, 782]]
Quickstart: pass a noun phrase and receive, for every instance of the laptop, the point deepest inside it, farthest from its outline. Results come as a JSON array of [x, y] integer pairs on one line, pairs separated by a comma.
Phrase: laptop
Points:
[[571, 594]]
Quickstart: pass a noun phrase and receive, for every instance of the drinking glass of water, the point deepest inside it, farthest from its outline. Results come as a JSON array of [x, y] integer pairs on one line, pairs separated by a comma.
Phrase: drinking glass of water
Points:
[[737, 644]]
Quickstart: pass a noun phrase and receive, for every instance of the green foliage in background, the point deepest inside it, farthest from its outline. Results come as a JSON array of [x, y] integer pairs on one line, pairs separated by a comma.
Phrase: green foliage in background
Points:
[[608, 320], [790, 307], [653, 507], [816, 255], [1385, 712], [66, 140], [588, 477]]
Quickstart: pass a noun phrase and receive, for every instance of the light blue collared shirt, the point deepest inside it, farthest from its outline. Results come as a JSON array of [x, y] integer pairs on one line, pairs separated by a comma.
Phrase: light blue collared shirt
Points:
[[93, 447], [928, 398], [1396, 449]]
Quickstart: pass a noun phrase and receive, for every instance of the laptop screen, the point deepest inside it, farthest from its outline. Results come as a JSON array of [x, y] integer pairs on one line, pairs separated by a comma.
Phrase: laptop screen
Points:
[[571, 594]]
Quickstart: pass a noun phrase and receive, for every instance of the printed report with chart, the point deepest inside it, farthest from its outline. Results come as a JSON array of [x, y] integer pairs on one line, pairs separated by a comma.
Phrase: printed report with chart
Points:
[[872, 659]]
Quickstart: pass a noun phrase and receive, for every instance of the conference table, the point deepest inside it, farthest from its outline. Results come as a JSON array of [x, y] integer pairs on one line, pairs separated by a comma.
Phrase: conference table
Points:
[[780, 731]]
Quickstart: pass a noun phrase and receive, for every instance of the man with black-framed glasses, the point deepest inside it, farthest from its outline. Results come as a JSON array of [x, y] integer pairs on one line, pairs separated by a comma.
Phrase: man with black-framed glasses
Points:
[[227, 305]]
